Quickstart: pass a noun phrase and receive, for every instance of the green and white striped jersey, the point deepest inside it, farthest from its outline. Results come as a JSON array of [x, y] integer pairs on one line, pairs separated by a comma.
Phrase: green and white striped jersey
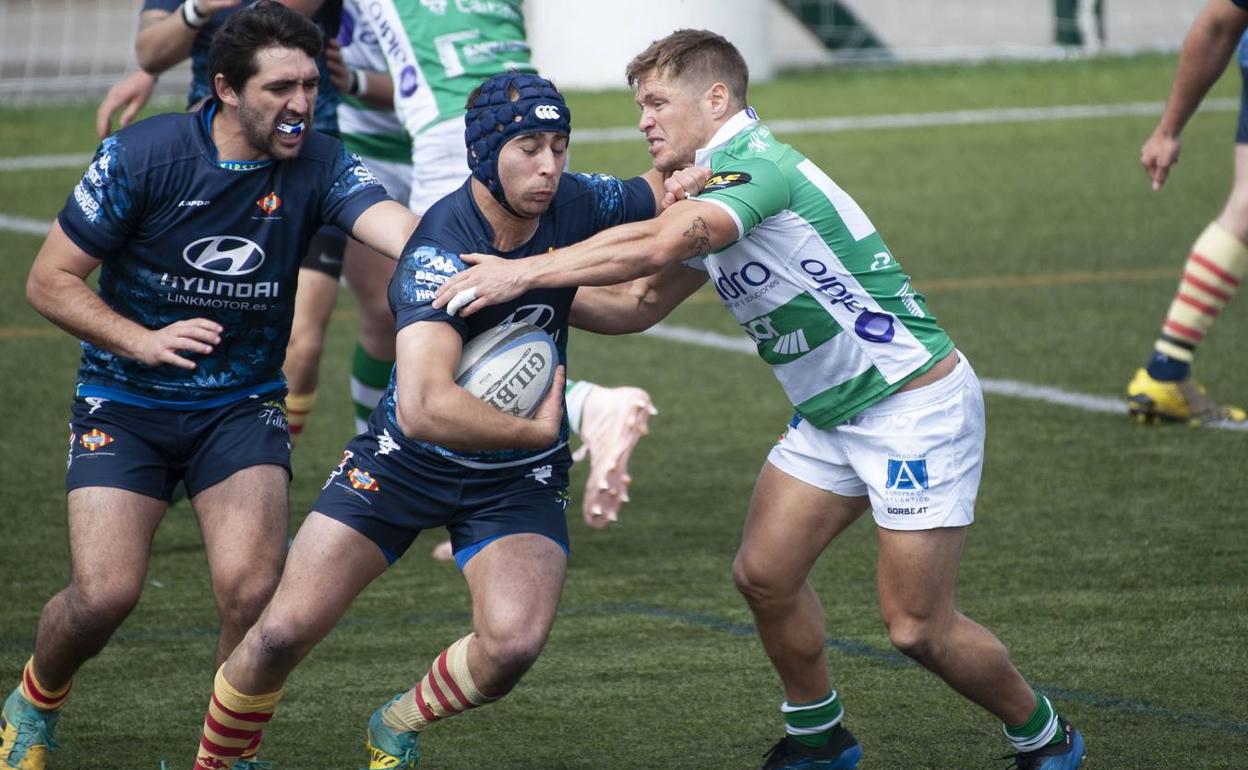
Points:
[[438, 51], [371, 132], [810, 280]]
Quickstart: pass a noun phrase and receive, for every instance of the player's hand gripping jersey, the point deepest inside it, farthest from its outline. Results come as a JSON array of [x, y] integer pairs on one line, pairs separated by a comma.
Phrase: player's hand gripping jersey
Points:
[[810, 280], [184, 235], [583, 205]]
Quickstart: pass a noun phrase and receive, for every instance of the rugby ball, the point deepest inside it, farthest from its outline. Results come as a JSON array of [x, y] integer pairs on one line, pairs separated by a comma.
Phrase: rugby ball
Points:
[[510, 367]]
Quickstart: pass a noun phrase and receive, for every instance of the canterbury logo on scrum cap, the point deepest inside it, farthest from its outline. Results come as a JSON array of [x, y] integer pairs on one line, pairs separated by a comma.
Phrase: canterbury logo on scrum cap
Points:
[[224, 255], [546, 112]]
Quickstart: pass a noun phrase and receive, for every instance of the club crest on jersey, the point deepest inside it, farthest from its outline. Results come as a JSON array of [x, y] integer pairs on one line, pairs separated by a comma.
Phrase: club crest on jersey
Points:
[[269, 203], [96, 439], [362, 480], [725, 180]]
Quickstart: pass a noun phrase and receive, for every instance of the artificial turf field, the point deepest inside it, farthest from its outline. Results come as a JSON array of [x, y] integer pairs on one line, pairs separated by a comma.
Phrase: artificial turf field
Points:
[[1111, 558]]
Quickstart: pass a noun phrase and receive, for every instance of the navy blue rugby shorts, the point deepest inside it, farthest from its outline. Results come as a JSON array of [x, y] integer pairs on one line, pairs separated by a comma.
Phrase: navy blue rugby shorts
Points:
[[389, 490], [1241, 129], [149, 451]]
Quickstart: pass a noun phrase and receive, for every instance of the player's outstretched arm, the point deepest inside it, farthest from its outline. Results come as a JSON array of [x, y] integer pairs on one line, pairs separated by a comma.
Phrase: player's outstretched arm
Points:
[[1206, 50], [431, 407], [633, 307], [385, 227], [57, 288], [688, 228]]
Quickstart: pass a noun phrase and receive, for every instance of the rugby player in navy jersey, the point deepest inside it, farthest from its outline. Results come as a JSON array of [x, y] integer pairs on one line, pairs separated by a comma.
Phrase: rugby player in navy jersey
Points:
[[434, 455], [196, 222]]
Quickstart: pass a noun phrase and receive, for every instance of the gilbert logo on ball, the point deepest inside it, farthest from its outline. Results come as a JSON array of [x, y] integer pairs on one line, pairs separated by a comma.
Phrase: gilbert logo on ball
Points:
[[510, 367]]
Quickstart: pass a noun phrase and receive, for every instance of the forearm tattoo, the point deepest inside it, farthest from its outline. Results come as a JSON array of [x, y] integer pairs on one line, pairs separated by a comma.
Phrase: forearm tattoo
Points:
[[698, 237]]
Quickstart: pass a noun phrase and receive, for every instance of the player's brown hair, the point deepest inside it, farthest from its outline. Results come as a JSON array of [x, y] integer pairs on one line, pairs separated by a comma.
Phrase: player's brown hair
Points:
[[697, 56], [267, 23]]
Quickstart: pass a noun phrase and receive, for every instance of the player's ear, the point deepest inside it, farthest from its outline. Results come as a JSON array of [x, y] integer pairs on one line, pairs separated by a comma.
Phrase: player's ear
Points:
[[719, 100], [224, 91]]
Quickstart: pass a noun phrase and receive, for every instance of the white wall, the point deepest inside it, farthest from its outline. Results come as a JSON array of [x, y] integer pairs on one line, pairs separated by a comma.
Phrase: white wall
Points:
[[587, 43]]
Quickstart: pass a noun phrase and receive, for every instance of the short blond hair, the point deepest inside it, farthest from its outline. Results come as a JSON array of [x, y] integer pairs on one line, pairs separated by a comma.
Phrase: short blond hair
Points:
[[695, 55]]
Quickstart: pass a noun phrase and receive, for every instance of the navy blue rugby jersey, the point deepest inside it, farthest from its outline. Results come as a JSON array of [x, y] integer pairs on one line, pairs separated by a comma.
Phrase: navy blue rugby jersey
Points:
[[325, 113], [181, 236], [1241, 3], [583, 205]]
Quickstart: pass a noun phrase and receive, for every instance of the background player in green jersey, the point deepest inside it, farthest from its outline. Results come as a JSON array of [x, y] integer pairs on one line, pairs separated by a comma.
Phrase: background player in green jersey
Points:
[[889, 414]]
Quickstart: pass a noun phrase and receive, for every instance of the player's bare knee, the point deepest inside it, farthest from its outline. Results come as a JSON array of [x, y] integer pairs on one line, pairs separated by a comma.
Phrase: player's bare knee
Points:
[[918, 638], [101, 605], [757, 584], [512, 653]]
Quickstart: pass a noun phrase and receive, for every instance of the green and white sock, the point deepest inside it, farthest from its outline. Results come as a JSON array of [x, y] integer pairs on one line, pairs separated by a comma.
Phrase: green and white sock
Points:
[[812, 723], [369, 378], [574, 394], [1040, 729]]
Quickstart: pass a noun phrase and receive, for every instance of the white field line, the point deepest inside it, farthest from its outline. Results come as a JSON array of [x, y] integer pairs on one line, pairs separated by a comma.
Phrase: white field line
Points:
[[804, 125], [24, 225], [1012, 388]]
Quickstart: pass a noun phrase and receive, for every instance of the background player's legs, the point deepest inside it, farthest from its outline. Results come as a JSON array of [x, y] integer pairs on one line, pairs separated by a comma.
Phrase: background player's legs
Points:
[[368, 275], [314, 301], [789, 525], [1217, 264], [917, 579], [329, 564], [244, 520]]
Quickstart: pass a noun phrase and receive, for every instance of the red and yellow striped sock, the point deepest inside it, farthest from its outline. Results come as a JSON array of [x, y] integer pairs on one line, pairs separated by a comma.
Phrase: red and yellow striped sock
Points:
[[39, 696], [445, 690], [1210, 276], [233, 725], [298, 406]]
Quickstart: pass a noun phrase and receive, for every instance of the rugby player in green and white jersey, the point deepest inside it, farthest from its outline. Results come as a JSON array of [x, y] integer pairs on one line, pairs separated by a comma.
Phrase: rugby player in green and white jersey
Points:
[[889, 414], [438, 51]]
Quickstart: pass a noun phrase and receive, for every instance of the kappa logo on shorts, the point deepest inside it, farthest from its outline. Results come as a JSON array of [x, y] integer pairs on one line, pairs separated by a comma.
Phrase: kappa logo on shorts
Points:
[[361, 479], [540, 474], [96, 439], [386, 444], [906, 475]]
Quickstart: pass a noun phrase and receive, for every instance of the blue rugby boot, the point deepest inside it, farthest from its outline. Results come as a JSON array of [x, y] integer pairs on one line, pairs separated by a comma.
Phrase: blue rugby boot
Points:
[[387, 749], [841, 752], [253, 764], [1066, 755], [25, 734]]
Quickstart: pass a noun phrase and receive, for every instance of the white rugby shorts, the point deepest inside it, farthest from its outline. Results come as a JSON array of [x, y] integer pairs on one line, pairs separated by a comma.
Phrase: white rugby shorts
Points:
[[394, 176], [439, 164], [917, 455]]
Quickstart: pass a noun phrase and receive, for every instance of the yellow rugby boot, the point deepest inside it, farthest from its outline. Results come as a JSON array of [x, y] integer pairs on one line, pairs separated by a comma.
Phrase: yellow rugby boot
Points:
[[1152, 401], [390, 750], [25, 734]]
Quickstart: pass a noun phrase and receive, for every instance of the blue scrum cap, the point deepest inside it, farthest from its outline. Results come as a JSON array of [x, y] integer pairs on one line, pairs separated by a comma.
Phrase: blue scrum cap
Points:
[[494, 119]]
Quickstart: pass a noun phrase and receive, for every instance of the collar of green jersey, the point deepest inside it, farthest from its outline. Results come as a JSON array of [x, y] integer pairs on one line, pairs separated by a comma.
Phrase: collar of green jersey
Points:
[[745, 119]]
